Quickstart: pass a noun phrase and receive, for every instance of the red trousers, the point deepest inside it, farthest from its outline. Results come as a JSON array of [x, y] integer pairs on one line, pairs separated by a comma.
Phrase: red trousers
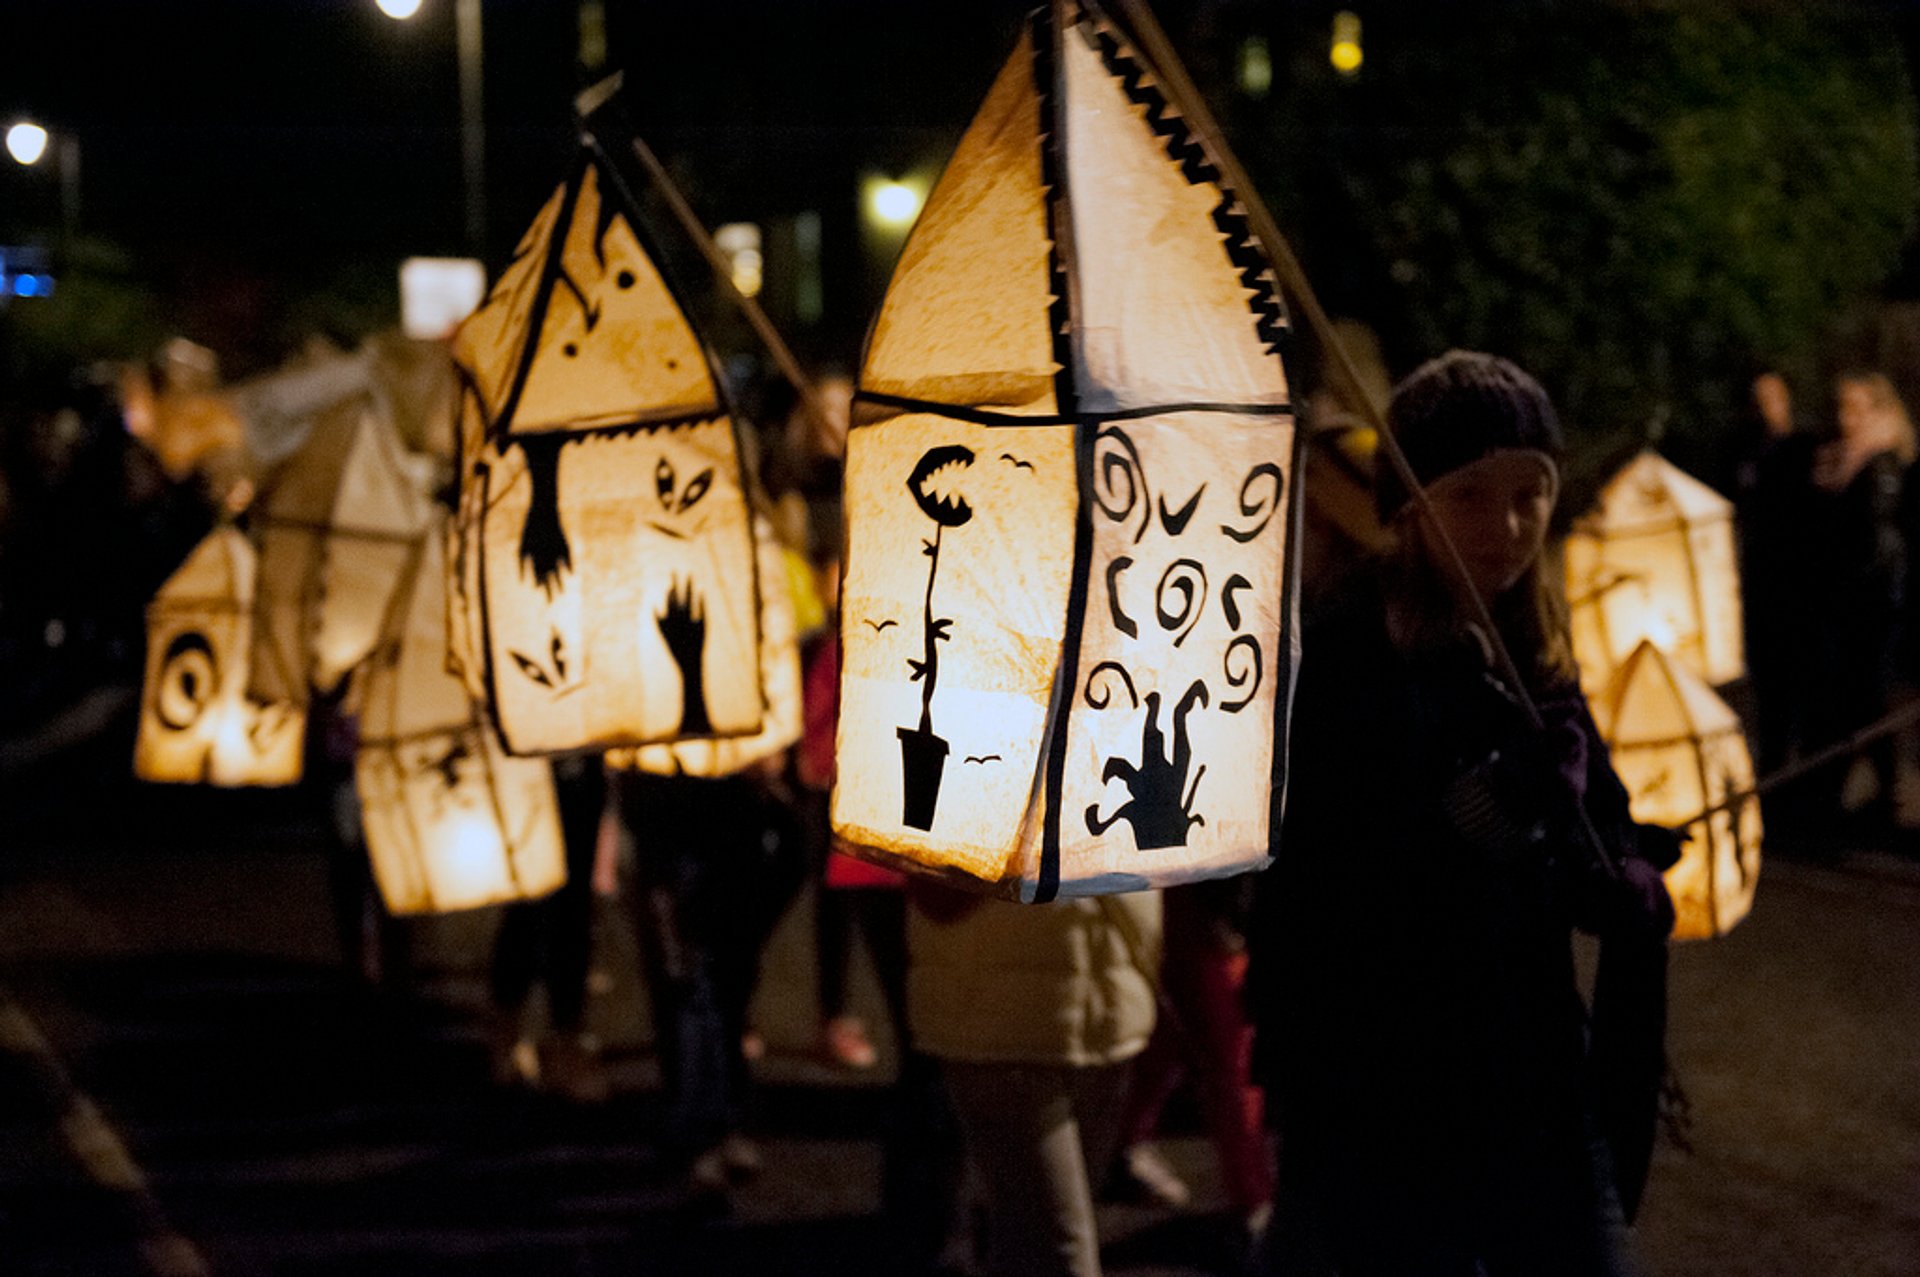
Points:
[[1203, 1031]]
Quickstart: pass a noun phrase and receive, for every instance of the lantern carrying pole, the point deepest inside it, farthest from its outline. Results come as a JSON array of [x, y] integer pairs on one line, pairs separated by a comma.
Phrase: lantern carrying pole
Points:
[[1293, 279], [1899, 718], [722, 270]]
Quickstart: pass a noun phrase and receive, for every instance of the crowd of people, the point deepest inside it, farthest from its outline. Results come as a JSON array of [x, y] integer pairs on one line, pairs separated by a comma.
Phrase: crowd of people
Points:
[[1827, 518], [1396, 999]]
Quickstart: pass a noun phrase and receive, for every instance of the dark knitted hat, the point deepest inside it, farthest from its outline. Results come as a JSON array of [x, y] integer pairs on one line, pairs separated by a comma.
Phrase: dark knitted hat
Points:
[[1454, 410]]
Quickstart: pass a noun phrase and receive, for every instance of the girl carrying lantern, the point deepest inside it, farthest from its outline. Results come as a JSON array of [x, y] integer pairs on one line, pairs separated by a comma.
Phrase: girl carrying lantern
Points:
[[1422, 1033]]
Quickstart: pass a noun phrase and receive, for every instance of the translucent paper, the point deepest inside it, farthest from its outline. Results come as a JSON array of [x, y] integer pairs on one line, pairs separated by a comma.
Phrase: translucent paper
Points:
[[1068, 608], [1680, 750], [197, 722], [782, 717], [336, 525], [604, 587], [451, 821], [1656, 561]]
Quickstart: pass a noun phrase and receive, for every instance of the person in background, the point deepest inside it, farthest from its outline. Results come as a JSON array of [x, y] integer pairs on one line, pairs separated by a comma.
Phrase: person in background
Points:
[[1773, 491], [1421, 1032], [1034, 1012], [1204, 1033], [548, 942], [1860, 572]]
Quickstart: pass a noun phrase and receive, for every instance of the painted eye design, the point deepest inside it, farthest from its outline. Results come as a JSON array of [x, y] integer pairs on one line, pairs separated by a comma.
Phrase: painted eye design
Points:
[[189, 675], [696, 489], [663, 483]]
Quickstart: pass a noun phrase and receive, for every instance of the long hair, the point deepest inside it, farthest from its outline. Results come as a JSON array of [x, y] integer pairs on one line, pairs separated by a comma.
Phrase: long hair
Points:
[[1899, 425], [1532, 615]]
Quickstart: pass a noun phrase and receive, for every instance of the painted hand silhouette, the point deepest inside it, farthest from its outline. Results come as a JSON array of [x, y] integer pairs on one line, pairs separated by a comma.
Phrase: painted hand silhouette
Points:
[[683, 626]]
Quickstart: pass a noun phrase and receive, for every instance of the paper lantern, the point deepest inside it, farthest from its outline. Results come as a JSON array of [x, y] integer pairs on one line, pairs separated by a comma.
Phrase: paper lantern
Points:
[[1068, 616], [1656, 560], [197, 723], [1680, 750], [451, 821], [782, 718], [336, 525], [605, 590]]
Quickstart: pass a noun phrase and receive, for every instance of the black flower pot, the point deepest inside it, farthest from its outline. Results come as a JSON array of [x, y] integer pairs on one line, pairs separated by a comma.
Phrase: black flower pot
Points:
[[923, 759]]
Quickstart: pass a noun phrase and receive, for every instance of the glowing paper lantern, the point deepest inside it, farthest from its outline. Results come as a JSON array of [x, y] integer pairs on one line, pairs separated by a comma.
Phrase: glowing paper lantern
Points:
[[197, 723], [336, 524], [779, 676], [451, 821], [1679, 750], [1656, 560], [1068, 607], [604, 580]]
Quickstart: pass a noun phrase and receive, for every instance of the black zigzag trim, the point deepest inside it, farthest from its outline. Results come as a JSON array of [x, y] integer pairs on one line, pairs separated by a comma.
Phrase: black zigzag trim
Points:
[[1243, 249], [1060, 306]]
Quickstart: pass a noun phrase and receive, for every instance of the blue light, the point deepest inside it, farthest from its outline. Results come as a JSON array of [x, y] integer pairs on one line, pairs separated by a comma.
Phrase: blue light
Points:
[[43, 285], [26, 286]]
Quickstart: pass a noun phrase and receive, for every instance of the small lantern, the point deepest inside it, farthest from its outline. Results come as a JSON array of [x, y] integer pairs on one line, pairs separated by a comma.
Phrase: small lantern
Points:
[[1067, 617], [604, 582], [451, 821], [197, 723], [337, 524], [782, 720], [1656, 560], [1680, 751]]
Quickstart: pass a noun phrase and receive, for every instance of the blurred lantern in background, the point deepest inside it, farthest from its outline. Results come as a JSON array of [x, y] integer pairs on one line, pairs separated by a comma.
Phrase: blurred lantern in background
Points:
[[779, 677], [1068, 606], [1680, 750], [605, 594], [436, 293], [1656, 560], [197, 724], [451, 821], [336, 524]]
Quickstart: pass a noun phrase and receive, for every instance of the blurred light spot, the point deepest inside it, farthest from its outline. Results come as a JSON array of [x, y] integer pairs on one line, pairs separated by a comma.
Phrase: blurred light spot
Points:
[[26, 142]]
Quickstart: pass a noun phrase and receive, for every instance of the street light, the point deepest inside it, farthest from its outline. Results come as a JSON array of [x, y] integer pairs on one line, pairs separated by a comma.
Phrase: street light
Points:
[[473, 129], [892, 204], [399, 10], [26, 142]]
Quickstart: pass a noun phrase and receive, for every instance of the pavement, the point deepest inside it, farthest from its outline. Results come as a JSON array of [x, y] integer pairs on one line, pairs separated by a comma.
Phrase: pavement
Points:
[[192, 1082]]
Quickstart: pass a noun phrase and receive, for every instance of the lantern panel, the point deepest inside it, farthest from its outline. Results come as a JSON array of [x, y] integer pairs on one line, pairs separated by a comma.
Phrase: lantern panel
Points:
[[958, 565], [1159, 321], [964, 319], [1170, 726], [451, 821], [649, 631], [197, 723], [783, 716], [1657, 560]]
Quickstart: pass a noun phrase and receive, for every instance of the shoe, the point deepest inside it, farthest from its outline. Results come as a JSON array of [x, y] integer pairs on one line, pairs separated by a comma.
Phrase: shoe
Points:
[[512, 1059], [570, 1070], [844, 1039], [1142, 1174], [753, 1047], [741, 1156]]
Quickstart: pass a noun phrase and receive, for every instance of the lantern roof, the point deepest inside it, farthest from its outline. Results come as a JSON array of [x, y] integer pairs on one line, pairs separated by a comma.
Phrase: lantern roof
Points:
[[1080, 254], [1653, 699], [581, 330], [350, 478], [1651, 494], [217, 573]]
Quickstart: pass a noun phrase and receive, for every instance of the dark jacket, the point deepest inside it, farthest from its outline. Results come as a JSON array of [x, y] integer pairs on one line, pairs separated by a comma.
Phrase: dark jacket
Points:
[[1421, 1034]]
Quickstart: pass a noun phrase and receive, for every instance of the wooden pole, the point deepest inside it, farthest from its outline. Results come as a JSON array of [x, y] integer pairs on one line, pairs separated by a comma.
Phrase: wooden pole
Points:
[[1180, 90]]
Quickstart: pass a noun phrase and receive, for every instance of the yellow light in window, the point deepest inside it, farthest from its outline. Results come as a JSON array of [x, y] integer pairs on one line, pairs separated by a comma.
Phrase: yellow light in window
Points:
[[1346, 54]]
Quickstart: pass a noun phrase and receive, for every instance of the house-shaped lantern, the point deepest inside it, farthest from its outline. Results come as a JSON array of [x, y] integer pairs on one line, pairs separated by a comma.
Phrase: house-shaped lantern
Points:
[[1067, 616], [197, 722], [336, 524], [451, 821], [1680, 751], [1656, 560], [605, 594], [782, 715]]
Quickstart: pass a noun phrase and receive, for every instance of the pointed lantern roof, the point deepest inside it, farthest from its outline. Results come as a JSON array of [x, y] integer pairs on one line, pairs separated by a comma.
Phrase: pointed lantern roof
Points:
[[1654, 700], [218, 573], [581, 330], [1079, 254], [1651, 494]]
